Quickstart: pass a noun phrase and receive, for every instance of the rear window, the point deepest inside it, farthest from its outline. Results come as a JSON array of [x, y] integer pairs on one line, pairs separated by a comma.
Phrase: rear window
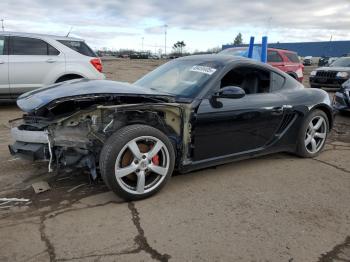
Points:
[[273, 56], [79, 46], [292, 57], [30, 46]]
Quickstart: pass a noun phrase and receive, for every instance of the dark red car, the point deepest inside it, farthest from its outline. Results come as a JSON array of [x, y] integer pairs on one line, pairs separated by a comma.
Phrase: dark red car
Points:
[[285, 60]]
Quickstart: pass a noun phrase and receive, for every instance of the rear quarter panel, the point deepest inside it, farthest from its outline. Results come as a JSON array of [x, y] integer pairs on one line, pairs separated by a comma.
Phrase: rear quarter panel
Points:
[[305, 100]]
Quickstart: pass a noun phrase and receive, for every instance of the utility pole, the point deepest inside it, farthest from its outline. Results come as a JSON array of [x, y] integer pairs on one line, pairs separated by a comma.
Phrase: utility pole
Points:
[[165, 32], [2, 24], [142, 42]]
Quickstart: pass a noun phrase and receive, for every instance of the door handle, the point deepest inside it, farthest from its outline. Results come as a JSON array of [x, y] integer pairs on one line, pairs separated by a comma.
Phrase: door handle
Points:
[[278, 109], [50, 60]]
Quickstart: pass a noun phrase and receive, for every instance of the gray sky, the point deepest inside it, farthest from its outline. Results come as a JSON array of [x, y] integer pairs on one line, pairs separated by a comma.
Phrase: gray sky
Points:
[[201, 24]]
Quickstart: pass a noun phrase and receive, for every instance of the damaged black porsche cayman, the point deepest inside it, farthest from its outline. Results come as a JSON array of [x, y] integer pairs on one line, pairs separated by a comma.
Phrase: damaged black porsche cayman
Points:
[[189, 113]]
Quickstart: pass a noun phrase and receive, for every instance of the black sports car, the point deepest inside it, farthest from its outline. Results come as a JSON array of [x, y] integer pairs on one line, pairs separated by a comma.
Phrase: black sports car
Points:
[[190, 113], [341, 100], [332, 76]]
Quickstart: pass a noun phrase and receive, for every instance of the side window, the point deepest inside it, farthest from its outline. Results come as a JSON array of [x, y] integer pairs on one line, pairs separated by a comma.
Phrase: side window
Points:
[[78, 46], [52, 51], [2, 45], [30, 46], [277, 82], [251, 79], [292, 57], [274, 56]]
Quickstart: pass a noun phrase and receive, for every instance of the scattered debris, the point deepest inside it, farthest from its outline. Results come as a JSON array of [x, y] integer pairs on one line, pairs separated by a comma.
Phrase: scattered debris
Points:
[[76, 187], [40, 187], [12, 201], [13, 159], [63, 178]]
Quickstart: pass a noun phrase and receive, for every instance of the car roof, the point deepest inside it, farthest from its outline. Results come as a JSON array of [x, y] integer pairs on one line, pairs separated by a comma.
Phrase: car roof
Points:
[[56, 37], [269, 48], [215, 58], [224, 59]]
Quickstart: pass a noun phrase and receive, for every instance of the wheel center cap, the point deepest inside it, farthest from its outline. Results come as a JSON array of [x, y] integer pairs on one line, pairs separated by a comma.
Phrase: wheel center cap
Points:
[[143, 164]]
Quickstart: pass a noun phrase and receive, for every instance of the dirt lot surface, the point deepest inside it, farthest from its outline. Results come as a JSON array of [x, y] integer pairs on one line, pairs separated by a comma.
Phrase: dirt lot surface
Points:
[[274, 208]]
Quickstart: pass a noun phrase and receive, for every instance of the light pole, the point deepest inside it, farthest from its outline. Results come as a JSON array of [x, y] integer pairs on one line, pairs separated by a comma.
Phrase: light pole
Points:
[[2, 25], [165, 32], [142, 42]]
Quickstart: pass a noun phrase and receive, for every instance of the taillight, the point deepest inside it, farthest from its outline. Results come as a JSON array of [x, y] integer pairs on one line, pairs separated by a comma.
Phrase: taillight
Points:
[[96, 62]]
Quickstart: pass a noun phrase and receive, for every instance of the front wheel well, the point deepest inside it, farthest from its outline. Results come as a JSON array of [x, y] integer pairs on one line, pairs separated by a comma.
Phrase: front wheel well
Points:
[[327, 111], [68, 77]]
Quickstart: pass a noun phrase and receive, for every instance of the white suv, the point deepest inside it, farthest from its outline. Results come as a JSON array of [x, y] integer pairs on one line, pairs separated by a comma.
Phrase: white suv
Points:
[[30, 61]]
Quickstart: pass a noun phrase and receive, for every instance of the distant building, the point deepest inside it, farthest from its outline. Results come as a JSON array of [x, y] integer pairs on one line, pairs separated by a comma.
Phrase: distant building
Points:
[[316, 49]]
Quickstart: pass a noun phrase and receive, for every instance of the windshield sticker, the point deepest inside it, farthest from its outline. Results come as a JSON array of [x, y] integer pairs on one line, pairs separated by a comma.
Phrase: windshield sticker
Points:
[[203, 69]]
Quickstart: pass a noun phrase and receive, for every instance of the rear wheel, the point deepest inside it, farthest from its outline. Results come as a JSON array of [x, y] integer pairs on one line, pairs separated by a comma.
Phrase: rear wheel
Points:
[[313, 134], [137, 161]]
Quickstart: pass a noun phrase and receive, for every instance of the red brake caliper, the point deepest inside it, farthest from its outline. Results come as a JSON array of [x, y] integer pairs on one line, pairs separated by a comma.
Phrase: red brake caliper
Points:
[[155, 160]]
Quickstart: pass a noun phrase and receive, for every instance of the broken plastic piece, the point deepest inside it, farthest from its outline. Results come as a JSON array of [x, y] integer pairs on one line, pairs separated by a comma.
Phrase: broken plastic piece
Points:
[[40, 187]]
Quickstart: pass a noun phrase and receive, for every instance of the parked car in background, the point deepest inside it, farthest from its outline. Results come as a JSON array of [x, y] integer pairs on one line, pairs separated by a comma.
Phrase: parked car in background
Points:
[[341, 100], [323, 61], [332, 76], [153, 57], [285, 60], [139, 55], [30, 61], [307, 61]]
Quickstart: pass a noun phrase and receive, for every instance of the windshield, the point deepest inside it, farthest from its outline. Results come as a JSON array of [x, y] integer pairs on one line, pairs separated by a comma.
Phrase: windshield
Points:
[[184, 78], [234, 51], [341, 62]]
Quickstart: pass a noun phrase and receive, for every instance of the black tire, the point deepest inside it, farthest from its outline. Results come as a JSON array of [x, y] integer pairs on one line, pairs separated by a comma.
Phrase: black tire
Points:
[[113, 147], [67, 78], [301, 148]]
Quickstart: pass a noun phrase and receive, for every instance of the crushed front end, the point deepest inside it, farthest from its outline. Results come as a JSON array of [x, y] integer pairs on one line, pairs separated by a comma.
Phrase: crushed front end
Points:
[[63, 142], [76, 140]]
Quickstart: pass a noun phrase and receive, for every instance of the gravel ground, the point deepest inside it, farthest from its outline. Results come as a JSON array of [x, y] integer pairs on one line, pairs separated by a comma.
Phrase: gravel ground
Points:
[[273, 208]]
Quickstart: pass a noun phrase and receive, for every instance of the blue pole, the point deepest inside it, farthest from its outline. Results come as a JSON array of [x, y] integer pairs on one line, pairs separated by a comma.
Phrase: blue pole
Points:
[[251, 47], [264, 49]]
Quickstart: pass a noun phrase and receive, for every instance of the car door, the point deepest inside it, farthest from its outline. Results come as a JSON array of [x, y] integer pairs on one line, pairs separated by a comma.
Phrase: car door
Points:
[[4, 72], [226, 126], [32, 63], [275, 59]]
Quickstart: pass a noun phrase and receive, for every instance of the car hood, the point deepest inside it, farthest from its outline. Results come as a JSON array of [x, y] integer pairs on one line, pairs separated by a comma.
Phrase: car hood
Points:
[[337, 69], [38, 98]]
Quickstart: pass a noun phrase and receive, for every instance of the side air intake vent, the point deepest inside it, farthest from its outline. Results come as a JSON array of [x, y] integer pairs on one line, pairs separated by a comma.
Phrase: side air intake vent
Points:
[[287, 119]]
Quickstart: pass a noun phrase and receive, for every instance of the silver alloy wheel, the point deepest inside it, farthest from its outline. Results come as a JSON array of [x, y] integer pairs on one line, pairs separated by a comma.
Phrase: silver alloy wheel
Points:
[[148, 174], [316, 134]]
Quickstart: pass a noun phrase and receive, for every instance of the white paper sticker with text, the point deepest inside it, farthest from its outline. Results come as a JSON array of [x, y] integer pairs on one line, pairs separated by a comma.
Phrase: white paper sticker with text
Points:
[[203, 69]]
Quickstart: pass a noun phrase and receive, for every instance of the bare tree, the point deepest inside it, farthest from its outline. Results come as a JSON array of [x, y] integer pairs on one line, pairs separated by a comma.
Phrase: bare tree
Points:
[[178, 47]]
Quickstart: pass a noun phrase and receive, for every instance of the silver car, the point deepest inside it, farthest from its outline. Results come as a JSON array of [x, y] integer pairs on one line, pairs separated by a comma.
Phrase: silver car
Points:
[[30, 61]]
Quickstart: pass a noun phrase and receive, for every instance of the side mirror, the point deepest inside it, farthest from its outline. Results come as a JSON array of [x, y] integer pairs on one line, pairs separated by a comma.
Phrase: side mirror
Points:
[[231, 92]]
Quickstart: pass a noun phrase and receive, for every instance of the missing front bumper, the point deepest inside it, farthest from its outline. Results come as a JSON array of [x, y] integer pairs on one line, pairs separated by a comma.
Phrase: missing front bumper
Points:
[[30, 151]]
